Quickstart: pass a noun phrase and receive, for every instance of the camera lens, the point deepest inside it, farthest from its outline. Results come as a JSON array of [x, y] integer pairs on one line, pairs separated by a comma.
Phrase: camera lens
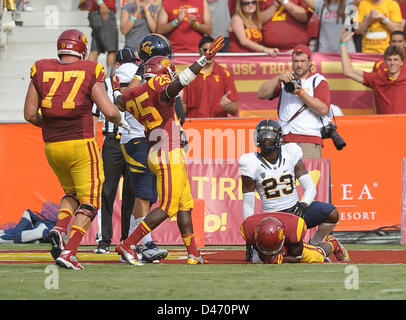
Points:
[[339, 142]]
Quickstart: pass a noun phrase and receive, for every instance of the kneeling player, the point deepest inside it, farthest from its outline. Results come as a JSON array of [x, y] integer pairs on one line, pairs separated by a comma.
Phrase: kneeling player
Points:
[[277, 237]]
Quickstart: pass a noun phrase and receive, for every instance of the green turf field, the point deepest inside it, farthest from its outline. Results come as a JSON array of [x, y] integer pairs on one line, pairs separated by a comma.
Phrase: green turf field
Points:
[[203, 282]]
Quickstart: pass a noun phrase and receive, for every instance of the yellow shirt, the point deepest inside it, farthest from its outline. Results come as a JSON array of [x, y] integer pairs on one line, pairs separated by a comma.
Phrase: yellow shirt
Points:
[[376, 39]]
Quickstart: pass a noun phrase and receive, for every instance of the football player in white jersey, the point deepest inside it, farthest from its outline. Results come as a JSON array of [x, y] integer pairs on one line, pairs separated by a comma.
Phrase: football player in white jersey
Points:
[[273, 172]]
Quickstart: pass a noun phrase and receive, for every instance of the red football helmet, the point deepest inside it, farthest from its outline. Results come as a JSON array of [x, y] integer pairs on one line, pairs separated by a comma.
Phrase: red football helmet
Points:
[[159, 65], [72, 42], [269, 236]]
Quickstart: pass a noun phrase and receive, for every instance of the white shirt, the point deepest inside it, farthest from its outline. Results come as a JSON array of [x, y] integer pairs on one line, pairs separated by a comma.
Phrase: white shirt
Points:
[[307, 122], [275, 183]]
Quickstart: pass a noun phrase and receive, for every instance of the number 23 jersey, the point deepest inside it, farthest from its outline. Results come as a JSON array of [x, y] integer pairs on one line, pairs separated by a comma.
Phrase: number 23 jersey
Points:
[[275, 183]]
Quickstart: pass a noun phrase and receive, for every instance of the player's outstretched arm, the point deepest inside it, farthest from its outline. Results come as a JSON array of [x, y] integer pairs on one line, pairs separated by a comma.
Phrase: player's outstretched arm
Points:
[[189, 74]]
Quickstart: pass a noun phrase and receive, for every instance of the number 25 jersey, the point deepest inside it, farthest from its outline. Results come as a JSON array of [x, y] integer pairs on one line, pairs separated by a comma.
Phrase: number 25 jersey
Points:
[[65, 97], [275, 183]]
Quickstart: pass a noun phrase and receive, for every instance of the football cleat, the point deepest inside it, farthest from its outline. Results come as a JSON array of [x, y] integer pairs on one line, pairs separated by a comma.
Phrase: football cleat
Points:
[[152, 254], [57, 238], [339, 251], [191, 259], [102, 248], [68, 260], [128, 254]]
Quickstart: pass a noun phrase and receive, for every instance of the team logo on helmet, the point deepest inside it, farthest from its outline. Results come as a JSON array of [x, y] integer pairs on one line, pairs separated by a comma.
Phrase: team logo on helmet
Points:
[[147, 47]]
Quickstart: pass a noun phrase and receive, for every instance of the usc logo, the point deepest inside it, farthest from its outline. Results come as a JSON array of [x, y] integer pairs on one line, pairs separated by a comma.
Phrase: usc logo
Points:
[[147, 47], [166, 63]]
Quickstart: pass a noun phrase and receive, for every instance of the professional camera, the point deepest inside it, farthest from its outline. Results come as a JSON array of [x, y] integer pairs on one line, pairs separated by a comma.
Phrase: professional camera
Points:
[[330, 131], [292, 85]]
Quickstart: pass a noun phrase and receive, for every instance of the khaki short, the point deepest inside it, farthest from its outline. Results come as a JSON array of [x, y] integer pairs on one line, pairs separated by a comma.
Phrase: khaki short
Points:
[[310, 150]]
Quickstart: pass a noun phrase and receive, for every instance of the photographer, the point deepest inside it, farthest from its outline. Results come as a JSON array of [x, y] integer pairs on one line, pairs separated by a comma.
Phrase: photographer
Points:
[[304, 102]]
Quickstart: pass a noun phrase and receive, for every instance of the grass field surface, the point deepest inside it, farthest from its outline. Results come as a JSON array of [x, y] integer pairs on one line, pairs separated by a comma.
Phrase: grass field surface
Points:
[[117, 281]]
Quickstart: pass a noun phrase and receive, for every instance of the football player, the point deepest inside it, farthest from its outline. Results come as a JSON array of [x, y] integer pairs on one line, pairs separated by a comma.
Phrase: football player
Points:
[[152, 104], [273, 172], [277, 237], [59, 100]]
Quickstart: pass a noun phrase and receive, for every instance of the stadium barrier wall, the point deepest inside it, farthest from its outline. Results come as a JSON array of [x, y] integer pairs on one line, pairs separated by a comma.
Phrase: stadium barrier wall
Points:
[[403, 218], [366, 176]]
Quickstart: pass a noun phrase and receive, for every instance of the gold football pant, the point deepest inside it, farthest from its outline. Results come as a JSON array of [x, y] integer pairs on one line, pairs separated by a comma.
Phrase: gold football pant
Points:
[[172, 180], [79, 168]]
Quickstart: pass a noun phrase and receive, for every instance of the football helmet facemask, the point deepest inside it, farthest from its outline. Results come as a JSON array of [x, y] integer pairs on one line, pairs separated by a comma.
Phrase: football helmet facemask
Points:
[[159, 65], [72, 42], [154, 44], [268, 135], [269, 236]]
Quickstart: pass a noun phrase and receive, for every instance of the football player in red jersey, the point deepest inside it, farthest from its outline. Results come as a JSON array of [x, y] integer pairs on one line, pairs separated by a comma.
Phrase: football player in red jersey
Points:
[[152, 104], [59, 100], [277, 237]]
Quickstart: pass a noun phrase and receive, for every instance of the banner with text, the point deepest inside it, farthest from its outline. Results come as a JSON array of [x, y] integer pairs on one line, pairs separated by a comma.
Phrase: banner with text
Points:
[[251, 70]]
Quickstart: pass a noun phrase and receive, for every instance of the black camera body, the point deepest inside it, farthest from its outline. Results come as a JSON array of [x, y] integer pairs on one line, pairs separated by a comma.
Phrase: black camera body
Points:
[[291, 85], [330, 131]]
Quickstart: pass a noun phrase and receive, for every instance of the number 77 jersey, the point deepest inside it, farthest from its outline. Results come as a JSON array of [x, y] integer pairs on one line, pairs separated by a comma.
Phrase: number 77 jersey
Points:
[[65, 97], [275, 183]]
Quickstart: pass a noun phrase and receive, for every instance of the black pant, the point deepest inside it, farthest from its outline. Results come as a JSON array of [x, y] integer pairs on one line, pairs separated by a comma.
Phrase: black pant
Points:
[[115, 166]]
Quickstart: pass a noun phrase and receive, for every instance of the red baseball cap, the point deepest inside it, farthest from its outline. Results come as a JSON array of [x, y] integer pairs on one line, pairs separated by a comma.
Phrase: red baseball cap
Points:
[[302, 49]]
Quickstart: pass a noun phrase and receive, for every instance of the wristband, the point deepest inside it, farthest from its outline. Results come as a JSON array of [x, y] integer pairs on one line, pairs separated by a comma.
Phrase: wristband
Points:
[[385, 20], [146, 12], [202, 61], [186, 77], [301, 92], [175, 22], [196, 25], [116, 94], [343, 43], [285, 2], [133, 18], [99, 2]]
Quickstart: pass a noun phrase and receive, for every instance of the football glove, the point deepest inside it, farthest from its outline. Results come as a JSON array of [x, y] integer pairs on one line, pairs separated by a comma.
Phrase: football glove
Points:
[[299, 209], [184, 140], [216, 45]]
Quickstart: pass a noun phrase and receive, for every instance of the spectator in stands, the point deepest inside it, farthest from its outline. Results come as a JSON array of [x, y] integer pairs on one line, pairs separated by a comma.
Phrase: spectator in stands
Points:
[[103, 22], [402, 5], [115, 167], [332, 15], [137, 20], [220, 17], [304, 107], [184, 23], [245, 29], [397, 38], [388, 86], [376, 20], [286, 23], [213, 92]]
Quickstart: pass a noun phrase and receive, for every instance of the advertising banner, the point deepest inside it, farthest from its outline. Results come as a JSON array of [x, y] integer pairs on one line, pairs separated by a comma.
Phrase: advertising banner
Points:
[[365, 177], [251, 70]]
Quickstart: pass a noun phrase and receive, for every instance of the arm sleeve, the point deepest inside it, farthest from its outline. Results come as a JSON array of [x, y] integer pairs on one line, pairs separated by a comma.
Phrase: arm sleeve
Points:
[[309, 188]]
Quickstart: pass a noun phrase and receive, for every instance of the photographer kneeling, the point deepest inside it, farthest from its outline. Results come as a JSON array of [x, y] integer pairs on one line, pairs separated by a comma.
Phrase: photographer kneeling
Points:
[[304, 102]]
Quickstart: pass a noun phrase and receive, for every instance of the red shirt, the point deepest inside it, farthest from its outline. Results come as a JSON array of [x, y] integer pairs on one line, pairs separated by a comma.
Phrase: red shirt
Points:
[[282, 30], [389, 94], [184, 38], [202, 96], [295, 227], [253, 34], [158, 117], [65, 95], [111, 4]]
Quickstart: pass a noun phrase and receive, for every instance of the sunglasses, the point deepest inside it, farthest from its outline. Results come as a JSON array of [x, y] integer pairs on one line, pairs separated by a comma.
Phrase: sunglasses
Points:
[[246, 3]]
